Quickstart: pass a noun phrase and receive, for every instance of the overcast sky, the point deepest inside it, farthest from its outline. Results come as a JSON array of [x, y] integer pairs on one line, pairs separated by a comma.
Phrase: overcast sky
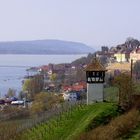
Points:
[[94, 22]]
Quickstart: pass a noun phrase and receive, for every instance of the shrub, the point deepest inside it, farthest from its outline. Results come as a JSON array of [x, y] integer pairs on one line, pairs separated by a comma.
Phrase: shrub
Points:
[[115, 129], [44, 101], [14, 112], [126, 90], [136, 101]]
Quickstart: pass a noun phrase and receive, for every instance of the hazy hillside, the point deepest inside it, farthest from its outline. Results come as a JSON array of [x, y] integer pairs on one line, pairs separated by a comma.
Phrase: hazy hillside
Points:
[[44, 47]]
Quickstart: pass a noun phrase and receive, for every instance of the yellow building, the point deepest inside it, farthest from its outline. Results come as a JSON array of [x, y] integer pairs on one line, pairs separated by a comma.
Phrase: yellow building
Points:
[[120, 57]]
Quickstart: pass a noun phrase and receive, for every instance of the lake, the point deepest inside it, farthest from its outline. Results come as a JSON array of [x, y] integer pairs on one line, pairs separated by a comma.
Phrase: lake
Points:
[[13, 68]]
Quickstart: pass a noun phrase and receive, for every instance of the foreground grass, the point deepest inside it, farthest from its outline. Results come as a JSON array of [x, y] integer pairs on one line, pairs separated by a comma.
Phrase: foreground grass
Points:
[[9, 129], [68, 125], [116, 129]]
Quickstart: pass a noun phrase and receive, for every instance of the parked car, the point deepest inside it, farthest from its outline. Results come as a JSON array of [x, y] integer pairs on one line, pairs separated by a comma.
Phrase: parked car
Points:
[[19, 102], [8, 101], [2, 101]]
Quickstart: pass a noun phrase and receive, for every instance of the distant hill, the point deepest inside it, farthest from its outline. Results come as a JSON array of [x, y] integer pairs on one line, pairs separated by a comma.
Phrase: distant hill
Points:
[[44, 47]]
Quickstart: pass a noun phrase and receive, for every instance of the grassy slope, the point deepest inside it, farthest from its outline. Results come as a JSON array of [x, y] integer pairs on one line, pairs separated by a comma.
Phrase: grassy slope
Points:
[[134, 134], [69, 126]]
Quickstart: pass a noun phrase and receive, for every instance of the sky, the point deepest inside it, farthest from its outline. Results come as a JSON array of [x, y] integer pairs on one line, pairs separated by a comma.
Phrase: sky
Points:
[[93, 22]]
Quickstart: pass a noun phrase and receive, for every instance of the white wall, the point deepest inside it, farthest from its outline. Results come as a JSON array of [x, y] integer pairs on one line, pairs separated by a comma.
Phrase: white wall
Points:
[[94, 93]]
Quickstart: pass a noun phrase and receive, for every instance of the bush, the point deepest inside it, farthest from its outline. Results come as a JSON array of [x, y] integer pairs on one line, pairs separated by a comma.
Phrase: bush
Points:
[[14, 112], [115, 129], [126, 90], [43, 102]]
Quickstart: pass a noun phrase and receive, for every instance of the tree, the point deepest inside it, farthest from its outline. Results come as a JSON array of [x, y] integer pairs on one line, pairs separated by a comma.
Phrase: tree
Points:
[[126, 89], [80, 75], [53, 77], [132, 43], [11, 93], [28, 88], [136, 69], [26, 85], [21, 95], [33, 85], [44, 101]]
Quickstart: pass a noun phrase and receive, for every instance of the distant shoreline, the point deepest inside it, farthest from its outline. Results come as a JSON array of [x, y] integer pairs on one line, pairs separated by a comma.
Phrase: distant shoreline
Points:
[[43, 54]]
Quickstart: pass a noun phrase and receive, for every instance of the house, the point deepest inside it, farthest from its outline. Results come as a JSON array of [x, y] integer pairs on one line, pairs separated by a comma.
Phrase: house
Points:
[[81, 86], [135, 55], [122, 56], [70, 96], [44, 68], [73, 96], [66, 96], [67, 88]]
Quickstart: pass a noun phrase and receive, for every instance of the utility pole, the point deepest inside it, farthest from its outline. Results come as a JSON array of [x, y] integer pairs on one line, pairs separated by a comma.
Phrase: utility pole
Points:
[[130, 101], [131, 68]]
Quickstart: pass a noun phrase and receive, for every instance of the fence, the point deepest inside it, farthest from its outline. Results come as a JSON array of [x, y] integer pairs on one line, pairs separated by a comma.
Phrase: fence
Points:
[[11, 128]]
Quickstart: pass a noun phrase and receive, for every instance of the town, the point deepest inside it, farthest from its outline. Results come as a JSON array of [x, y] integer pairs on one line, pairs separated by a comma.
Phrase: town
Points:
[[69, 79], [54, 89], [69, 70]]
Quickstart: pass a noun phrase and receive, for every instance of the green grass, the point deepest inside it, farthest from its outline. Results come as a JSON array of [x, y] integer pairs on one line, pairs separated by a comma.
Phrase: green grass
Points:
[[69, 124]]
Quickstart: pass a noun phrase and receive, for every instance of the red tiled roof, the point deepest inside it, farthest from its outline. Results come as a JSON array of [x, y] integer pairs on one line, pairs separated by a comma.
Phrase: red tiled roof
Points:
[[75, 87], [45, 68]]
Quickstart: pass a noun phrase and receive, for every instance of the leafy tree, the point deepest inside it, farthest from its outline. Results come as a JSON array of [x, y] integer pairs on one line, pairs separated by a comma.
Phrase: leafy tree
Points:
[[21, 95], [80, 75], [136, 69], [62, 78], [131, 42], [33, 85], [26, 85], [11, 93], [44, 101], [53, 77], [126, 89]]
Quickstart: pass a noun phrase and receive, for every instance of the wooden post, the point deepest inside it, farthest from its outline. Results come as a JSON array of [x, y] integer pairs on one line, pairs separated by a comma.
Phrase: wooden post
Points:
[[130, 101], [131, 68]]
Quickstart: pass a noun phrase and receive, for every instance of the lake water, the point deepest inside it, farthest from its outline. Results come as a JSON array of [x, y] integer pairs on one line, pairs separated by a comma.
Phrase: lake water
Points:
[[13, 68]]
